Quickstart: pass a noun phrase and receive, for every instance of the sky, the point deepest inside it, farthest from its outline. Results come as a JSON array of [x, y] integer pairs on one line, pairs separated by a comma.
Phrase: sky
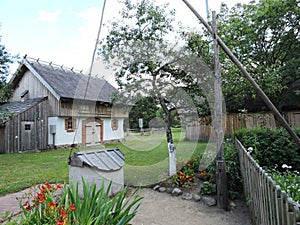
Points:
[[64, 31]]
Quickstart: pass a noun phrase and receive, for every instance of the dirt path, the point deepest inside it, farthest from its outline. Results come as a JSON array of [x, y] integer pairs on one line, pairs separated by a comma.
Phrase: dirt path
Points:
[[164, 209]]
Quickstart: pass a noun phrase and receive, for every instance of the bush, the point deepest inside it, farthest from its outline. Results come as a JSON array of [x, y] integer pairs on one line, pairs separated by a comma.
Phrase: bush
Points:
[[234, 178], [96, 207], [288, 181], [271, 147]]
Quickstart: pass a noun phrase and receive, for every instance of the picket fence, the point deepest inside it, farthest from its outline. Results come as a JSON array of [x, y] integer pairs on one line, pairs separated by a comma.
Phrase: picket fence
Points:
[[268, 204]]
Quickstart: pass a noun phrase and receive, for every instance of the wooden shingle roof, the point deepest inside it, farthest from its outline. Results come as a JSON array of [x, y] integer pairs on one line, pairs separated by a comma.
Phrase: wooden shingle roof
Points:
[[67, 83], [21, 106]]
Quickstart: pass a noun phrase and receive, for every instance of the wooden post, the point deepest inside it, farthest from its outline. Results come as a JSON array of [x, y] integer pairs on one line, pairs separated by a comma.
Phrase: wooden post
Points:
[[261, 93], [221, 177]]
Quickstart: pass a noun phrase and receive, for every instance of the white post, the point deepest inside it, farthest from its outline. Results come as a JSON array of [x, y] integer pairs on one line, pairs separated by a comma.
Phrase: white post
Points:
[[172, 159]]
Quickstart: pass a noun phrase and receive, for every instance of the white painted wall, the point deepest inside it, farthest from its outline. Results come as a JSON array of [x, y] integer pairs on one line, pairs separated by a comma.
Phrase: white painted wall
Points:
[[62, 137], [109, 133]]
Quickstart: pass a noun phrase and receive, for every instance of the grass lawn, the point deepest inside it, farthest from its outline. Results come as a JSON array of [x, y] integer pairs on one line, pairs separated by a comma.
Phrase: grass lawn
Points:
[[146, 160]]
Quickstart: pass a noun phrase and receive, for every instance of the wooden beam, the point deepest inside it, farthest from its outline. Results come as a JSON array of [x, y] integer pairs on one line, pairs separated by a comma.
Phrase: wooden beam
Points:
[[221, 177], [260, 92]]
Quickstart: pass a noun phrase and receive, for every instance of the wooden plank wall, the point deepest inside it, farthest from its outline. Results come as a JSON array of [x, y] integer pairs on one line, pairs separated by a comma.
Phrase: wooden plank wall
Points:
[[2, 140], [36, 90], [13, 136], [268, 204], [233, 122]]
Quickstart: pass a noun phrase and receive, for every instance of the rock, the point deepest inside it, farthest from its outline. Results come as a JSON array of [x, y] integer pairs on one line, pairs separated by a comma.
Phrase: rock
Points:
[[169, 190], [187, 196], [156, 187], [162, 189], [232, 205], [176, 192], [209, 201], [196, 197]]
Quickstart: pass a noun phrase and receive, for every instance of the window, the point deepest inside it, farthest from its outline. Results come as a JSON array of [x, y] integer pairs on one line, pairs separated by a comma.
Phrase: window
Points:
[[70, 125], [84, 108], [27, 126], [114, 124]]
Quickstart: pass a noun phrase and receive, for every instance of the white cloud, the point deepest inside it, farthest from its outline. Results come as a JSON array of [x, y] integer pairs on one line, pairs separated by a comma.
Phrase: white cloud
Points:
[[49, 16]]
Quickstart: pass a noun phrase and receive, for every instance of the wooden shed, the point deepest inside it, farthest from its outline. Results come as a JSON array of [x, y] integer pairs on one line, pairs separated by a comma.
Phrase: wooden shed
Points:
[[97, 166], [26, 130]]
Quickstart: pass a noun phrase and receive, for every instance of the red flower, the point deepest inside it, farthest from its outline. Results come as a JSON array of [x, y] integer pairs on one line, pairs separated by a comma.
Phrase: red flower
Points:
[[43, 189], [63, 213], [52, 205], [72, 207], [40, 197], [59, 186], [60, 222], [27, 206]]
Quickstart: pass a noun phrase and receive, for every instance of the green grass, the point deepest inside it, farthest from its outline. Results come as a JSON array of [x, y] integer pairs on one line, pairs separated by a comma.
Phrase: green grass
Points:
[[146, 159]]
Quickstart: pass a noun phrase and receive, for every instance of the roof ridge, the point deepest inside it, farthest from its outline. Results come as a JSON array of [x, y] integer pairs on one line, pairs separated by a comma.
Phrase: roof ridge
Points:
[[62, 67]]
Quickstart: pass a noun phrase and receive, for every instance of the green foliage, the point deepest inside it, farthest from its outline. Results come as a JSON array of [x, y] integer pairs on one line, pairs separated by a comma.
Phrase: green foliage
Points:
[[208, 188], [97, 207], [94, 207], [145, 108], [5, 60], [5, 116], [234, 177], [267, 43], [288, 181], [271, 147]]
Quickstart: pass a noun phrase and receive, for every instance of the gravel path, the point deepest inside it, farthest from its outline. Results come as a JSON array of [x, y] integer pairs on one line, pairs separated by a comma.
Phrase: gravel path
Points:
[[163, 209]]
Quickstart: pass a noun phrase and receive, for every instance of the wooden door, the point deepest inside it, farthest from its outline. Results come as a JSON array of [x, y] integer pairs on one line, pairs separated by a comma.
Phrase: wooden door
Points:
[[28, 137], [93, 133]]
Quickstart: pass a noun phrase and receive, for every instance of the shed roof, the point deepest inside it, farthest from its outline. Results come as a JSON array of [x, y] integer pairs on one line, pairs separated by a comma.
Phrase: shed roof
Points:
[[67, 83], [19, 107], [103, 159]]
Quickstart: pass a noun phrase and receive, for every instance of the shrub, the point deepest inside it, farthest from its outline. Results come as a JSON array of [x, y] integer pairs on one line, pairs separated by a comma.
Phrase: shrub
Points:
[[95, 207], [234, 178], [207, 188], [288, 181], [271, 147]]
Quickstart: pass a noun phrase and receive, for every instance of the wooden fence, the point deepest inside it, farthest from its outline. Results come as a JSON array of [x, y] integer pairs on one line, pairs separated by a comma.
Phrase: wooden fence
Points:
[[232, 122], [268, 204]]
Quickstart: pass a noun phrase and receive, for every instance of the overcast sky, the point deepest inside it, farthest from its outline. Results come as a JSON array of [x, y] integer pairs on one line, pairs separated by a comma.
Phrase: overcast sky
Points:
[[64, 31]]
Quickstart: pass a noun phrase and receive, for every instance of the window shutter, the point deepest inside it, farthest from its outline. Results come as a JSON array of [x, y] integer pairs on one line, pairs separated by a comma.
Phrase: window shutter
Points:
[[114, 124]]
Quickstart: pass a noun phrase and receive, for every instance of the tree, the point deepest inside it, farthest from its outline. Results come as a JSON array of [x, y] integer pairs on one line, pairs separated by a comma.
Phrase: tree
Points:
[[144, 46], [265, 37], [145, 108], [5, 90], [148, 62], [5, 60]]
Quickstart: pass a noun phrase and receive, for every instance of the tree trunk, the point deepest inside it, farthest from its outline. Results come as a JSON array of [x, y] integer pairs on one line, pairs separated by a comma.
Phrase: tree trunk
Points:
[[167, 113]]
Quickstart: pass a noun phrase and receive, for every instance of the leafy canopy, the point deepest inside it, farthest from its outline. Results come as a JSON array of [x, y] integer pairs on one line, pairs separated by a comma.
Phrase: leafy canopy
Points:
[[145, 48]]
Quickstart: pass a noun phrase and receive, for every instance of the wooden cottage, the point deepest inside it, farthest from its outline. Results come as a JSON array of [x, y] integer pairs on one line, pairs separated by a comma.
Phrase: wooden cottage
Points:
[[58, 106]]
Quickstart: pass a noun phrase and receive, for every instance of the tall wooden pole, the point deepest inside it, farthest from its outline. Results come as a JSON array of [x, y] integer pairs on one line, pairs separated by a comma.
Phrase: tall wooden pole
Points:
[[260, 92], [221, 177]]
